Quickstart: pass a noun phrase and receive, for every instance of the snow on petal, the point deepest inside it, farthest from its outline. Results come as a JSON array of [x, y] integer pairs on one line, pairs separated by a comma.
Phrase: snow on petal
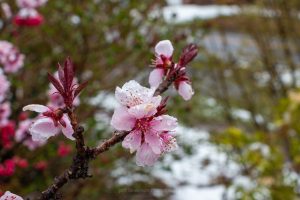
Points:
[[121, 120], [132, 94], [185, 90], [68, 130], [145, 156], [42, 129], [10, 196], [164, 123], [142, 110], [165, 48], [154, 141], [132, 141], [36, 108], [156, 77]]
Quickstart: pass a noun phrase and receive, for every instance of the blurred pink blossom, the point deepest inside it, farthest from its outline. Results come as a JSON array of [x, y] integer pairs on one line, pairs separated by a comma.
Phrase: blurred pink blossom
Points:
[[7, 168], [5, 112], [7, 133], [64, 149], [50, 123], [149, 128], [6, 10], [30, 3], [28, 17], [10, 57], [4, 86], [22, 134]]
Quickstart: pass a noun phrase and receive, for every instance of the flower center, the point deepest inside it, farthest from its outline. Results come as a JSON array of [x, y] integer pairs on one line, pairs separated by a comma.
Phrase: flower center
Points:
[[142, 124]]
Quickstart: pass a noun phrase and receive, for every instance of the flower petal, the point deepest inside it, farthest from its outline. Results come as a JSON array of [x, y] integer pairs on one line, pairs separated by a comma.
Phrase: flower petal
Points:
[[156, 77], [143, 110], [169, 142], [154, 142], [10, 196], [164, 123], [121, 120], [42, 129], [68, 130], [185, 90], [36, 108], [165, 48], [132, 141], [145, 155]]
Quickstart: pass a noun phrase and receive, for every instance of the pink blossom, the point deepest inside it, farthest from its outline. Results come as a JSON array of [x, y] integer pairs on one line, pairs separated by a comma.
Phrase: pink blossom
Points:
[[7, 133], [4, 84], [7, 168], [10, 57], [30, 3], [22, 135], [147, 125], [132, 93], [6, 10], [10, 196], [5, 112], [50, 123], [185, 90], [63, 149], [156, 77], [41, 165], [21, 162], [28, 17]]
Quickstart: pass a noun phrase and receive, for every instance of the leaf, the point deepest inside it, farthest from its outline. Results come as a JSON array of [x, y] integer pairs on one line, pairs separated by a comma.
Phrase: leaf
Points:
[[69, 73], [80, 88], [56, 84], [61, 75]]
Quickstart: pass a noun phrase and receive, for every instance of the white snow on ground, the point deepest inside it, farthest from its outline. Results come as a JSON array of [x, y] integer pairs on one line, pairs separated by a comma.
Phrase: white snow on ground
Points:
[[177, 13]]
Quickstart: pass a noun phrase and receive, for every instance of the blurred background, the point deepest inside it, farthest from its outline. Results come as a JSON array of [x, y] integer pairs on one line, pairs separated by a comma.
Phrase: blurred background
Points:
[[239, 136]]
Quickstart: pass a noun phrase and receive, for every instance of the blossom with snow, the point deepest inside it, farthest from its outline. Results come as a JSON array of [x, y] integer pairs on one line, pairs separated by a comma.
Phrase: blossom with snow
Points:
[[10, 196], [5, 112], [142, 114], [165, 68], [22, 135], [49, 123], [10, 57]]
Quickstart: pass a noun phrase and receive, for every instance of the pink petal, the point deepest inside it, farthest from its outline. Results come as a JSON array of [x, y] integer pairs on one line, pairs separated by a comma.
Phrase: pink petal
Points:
[[169, 142], [154, 142], [165, 48], [145, 155], [121, 120], [10, 196], [36, 108], [132, 141], [42, 129], [142, 110], [164, 123], [185, 90], [156, 77], [68, 130]]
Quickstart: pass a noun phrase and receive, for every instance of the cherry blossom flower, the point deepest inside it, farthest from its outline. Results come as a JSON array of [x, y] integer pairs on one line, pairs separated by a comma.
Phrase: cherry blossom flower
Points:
[[10, 57], [5, 112], [63, 150], [163, 52], [22, 135], [132, 94], [143, 116], [7, 168], [49, 123], [10, 196], [4, 86], [184, 89], [28, 17], [30, 3]]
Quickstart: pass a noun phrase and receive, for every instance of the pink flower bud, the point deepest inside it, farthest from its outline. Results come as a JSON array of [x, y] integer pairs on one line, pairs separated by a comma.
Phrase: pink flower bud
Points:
[[185, 90]]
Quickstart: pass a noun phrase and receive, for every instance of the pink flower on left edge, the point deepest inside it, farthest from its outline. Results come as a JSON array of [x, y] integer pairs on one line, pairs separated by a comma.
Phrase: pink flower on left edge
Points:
[[10, 196], [5, 112], [10, 57], [4, 86], [49, 123], [148, 126]]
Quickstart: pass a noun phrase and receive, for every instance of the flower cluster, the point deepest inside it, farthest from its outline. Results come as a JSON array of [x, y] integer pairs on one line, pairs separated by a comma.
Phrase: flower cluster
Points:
[[10, 57], [142, 114], [28, 15], [165, 68], [7, 168]]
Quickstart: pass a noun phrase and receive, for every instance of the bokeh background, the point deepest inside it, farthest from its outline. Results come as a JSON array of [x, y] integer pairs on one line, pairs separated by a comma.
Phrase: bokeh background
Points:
[[239, 136]]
